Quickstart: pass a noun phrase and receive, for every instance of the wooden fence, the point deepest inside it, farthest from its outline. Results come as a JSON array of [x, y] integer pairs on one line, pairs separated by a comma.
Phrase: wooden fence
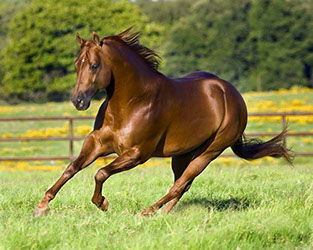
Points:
[[71, 138]]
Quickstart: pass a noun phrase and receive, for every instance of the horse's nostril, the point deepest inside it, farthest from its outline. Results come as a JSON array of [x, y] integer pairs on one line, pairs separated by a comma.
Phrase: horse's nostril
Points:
[[81, 102]]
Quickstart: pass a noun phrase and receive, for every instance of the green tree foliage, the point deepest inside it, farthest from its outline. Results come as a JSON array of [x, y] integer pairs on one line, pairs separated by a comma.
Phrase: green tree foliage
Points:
[[166, 12], [280, 32], [38, 62], [196, 42], [255, 44], [7, 10]]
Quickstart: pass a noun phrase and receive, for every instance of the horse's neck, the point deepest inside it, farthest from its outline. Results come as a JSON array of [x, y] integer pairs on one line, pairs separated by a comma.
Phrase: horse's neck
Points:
[[132, 79]]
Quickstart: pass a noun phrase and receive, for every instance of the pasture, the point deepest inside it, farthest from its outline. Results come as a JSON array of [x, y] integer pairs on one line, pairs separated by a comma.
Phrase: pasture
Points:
[[232, 204], [228, 207]]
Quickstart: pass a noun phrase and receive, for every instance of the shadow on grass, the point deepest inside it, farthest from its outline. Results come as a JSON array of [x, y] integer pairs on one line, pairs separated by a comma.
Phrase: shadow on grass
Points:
[[220, 205]]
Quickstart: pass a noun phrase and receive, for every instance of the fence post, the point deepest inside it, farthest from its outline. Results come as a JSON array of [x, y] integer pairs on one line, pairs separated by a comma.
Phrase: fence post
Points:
[[71, 138], [283, 117]]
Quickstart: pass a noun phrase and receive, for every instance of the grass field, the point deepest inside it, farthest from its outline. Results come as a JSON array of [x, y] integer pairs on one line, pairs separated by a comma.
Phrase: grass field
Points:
[[228, 207], [233, 204]]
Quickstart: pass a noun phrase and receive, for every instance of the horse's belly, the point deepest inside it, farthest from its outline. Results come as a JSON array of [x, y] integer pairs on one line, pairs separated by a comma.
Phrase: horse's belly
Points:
[[180, 140]]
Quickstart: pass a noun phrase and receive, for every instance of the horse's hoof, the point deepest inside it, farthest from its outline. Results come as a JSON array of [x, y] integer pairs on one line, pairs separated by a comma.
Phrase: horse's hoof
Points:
[[105, 205], [41, 211], [148, 212]]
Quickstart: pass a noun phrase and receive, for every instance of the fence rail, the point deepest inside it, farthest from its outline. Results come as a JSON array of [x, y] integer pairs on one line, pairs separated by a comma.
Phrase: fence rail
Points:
[[71, 138]]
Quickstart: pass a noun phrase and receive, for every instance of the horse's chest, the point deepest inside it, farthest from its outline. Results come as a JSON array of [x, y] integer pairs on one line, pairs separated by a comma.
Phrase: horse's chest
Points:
[[124, 139]]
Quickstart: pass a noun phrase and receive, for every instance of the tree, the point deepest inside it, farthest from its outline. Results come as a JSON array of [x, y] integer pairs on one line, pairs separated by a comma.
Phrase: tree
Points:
[[166, 12], [8, 8], [38, 60], [209, 40], [255, 44], [280, 34]]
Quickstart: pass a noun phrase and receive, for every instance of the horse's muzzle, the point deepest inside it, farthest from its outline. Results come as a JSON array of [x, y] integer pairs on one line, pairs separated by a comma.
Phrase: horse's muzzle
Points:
[[80, 102]]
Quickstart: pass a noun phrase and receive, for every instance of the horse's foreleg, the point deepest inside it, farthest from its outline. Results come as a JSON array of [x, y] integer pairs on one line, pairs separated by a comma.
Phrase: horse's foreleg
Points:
[[126, 161], [90, 151]]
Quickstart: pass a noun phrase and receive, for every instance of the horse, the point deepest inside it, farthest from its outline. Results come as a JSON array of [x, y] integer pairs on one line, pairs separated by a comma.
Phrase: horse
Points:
[[191, 119]]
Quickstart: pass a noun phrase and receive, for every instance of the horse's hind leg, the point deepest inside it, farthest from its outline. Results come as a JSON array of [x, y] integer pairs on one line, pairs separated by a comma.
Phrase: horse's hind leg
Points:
[[179, 164], [90, 152], [195, 167]]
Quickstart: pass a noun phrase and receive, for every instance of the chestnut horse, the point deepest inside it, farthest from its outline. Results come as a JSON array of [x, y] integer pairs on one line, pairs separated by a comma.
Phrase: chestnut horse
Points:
[[192, 119]]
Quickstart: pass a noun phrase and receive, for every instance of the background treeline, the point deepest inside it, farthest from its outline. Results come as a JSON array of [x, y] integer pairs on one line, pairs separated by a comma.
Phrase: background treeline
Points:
[[254, 44]]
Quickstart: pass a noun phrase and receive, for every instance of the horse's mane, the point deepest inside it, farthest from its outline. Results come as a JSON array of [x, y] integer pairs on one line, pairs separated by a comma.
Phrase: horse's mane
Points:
[[131, 39]]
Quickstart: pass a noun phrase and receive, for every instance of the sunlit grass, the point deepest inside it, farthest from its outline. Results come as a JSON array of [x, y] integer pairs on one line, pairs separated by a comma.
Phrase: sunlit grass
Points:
[[227, 207]]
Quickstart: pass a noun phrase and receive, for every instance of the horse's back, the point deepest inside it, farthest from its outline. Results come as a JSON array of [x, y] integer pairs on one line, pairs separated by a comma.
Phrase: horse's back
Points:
[[201, 74]]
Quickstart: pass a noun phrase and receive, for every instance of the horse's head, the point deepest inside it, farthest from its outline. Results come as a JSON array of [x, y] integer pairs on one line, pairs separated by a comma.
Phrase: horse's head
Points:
[[93, 71]]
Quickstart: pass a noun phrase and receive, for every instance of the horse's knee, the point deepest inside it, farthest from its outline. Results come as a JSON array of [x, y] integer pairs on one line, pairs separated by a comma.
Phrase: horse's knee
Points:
[[71, 170]]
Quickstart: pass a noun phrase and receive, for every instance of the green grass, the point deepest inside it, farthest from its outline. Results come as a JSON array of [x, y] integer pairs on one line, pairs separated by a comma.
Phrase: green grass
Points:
[[227, 207], [267, 205]]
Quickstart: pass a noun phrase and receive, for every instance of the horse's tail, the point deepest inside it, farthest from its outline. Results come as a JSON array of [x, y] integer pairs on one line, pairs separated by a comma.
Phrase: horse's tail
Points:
[[254, 148]]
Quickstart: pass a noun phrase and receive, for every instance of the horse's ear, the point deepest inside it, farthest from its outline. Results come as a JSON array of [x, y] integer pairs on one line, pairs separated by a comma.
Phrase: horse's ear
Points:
[[95, 38], [79, 39]]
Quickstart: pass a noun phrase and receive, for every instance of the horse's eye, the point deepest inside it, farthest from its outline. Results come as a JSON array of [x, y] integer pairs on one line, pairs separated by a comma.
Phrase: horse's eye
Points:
[[95, 66]]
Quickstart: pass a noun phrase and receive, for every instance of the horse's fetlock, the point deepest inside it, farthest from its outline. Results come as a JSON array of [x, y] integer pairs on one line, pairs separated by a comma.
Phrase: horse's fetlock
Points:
[[94, 200]]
